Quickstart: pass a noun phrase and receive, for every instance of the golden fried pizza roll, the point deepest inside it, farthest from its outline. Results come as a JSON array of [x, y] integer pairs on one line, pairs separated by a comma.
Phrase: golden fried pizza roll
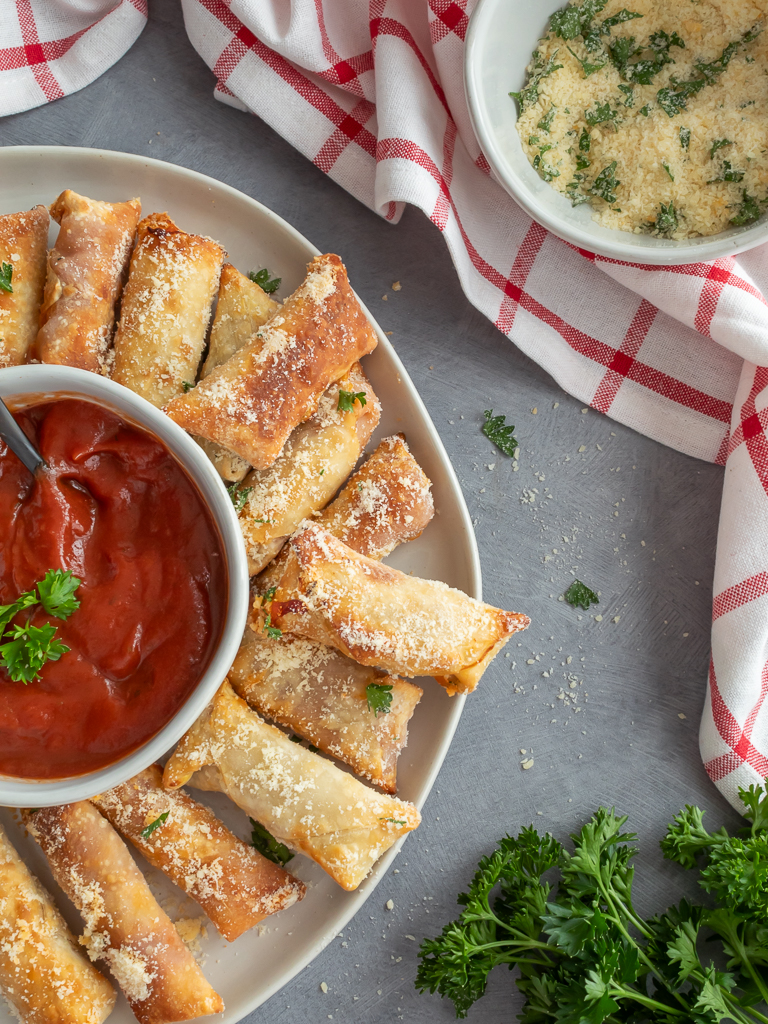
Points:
[[124, 924], [316, 460], [23, 249], [43, 975], [385, 503], [304, 800], [165, 310], [380, 616], [242, 308], [251, 403], [347, 710], [85, 273], [234, 884]]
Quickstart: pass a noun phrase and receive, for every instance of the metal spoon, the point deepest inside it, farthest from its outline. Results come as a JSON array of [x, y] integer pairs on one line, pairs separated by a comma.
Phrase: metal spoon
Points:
[[17, 440]]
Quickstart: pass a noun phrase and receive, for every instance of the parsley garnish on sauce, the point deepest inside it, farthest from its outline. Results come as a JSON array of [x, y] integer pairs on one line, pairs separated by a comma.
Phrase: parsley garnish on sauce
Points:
[[268, 846], [147, 832], [347, 400], [499, 432], [262, 279], [29, 647], [580, 596], [379, 697], [238, 495], [6, 275]]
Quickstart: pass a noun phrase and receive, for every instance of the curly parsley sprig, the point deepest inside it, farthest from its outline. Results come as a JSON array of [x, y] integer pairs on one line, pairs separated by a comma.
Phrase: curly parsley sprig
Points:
[[501, 433], [585, 955], [27, 647]]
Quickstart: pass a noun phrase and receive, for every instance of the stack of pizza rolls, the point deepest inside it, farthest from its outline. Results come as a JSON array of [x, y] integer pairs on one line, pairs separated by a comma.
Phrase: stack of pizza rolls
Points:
[[305, 734]]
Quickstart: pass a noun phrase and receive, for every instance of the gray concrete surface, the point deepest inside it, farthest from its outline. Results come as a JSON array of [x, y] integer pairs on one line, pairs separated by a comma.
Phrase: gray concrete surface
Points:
[[637, 520]]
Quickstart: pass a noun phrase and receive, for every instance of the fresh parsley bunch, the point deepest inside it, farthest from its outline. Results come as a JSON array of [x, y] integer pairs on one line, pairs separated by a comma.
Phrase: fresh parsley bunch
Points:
[[27, 647], [585, 956]]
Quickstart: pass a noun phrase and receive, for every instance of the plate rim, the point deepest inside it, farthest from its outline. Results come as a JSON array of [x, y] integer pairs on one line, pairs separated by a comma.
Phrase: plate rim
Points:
[[675, 253], [359, 896]]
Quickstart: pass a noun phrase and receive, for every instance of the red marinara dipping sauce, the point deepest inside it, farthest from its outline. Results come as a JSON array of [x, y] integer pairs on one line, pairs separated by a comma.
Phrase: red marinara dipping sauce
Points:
[[115, 507]]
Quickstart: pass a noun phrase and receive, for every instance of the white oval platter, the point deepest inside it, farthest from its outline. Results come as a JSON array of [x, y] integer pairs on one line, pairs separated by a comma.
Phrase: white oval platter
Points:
[[259, 963]]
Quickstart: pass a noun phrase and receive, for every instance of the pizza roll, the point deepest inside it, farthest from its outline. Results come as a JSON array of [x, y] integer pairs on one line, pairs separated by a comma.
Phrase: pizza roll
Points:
[[251, 403], [304, 800], [85, 272], [316, 460], [242, 308], [234, 884], [324, 697], [165, 309], [23, 247], [380, 616], [43, 975], [385, 503], [124, 924]]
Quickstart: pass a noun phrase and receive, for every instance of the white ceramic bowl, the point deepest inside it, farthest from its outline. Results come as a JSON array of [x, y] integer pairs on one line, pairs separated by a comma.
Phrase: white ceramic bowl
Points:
[[42, 382], [501, 37]]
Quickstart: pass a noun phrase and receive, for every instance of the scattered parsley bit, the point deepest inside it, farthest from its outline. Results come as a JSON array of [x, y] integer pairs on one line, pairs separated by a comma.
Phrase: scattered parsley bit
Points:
[[147, 832], [272, 631], [748, 212], [605, 184], [575, 20], [718, 144], [238, 495], [262, 520], [685, 137], [601, 114], [667, 169], [727, 174], [585, 141], [580, 596], [546, 122], [262, 279], [620, 18], [268, 846], [629, 92], [395, 821], [645, 111], [499, 432], [666, 219], [530, 94], [586, 67], [6, 275], [186, 385], [583, 952], [379, 697], [268, 595], [347, 400]]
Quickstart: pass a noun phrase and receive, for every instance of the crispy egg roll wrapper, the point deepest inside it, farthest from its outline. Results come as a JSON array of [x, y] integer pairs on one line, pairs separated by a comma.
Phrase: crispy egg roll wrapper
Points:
[[380, 616], [43, 975], [303, 799], [85, 274], [234, 884], [24, 245], [316, 460], [252, 402], [321, 695], [165, 310], [124, 924], [385, 503], [241, 309]]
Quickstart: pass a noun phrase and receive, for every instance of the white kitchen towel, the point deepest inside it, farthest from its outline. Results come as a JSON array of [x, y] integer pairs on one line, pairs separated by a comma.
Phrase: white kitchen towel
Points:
[[51, 48]]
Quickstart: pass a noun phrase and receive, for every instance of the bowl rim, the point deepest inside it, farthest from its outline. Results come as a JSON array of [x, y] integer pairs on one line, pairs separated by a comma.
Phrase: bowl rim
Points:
[[30, 380], [667, 253]]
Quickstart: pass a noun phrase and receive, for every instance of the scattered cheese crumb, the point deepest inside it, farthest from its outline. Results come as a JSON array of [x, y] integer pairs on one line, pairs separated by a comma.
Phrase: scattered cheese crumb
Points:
[[525, 765], [389, 905], [396, 286], [323, 987], [681, 715]]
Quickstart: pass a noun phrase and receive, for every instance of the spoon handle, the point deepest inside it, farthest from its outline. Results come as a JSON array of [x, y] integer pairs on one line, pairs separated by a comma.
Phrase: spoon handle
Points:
[[17, 440]]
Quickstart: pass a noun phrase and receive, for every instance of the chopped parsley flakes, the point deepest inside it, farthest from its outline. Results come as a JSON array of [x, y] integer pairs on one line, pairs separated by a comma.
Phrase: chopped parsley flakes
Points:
[[264, 281], [530, 94], [347, 400], [605, 184], [6, 275], [268, 846], [379, 697], [147, 832], [238, 495], [580, 596], [499, 432]]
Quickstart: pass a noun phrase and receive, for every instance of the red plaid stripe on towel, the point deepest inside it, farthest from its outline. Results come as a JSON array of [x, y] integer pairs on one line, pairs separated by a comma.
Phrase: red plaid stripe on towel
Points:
[[49, 50], [375, 98]]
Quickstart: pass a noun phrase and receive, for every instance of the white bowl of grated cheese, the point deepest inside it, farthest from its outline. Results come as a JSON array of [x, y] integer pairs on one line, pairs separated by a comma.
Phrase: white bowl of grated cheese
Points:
[[501, 38]]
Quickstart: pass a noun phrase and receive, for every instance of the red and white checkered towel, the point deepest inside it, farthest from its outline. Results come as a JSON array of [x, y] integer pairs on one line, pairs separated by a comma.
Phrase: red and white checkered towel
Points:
[[374, 96]]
